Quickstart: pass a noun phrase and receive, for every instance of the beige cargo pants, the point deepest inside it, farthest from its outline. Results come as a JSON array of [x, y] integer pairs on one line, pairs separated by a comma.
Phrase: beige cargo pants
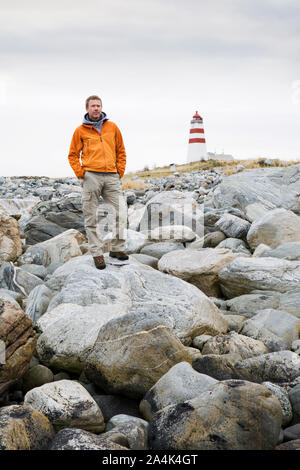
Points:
[[110, 188]]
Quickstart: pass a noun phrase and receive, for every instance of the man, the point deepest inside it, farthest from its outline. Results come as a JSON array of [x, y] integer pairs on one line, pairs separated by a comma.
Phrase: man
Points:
[[100, 145]]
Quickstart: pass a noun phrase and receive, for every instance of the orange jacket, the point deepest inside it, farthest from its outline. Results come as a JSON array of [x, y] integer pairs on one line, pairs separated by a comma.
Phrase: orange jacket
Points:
[[99, 152]]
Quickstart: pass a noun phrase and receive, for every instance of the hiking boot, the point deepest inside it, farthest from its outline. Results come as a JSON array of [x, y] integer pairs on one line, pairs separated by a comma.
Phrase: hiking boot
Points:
[[99, 262], [121, 255]]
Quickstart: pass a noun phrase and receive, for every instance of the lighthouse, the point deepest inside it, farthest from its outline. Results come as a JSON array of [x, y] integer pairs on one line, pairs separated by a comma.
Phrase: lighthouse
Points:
[[197, 144]]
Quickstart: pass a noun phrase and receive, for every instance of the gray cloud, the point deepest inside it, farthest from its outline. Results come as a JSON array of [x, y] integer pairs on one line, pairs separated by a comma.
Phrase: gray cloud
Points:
[[154, 63], [155, 28]]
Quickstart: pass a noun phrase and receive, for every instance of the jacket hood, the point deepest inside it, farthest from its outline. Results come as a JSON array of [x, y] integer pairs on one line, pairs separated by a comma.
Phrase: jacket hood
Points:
[[97, 124]]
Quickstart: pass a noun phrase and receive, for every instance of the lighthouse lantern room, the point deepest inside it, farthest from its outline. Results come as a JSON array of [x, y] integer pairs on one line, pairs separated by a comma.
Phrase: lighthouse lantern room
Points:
[[197, 144]]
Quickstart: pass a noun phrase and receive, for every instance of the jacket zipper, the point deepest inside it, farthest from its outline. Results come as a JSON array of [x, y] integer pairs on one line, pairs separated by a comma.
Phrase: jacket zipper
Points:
[[102, 147]]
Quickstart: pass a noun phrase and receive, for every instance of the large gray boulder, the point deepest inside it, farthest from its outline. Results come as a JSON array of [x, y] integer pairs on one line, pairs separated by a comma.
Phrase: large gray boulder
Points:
[[244, 275], [134, 287], [232, 415], [179, 384], [131, 353], [274, 228], [263, 188], [198, 267]]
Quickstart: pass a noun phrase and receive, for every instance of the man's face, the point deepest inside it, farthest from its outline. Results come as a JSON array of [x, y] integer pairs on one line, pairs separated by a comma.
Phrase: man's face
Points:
[[94, 109]]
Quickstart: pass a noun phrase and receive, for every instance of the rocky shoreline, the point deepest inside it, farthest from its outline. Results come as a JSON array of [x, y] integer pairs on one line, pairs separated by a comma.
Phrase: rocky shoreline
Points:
[[192, 344]]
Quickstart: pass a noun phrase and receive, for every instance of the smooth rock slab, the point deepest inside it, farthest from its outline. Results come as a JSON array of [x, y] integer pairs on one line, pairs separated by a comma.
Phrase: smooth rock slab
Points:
[[66, 403], [179, 384], [200, 268], [244, 275], [233, 415], [23, 428], [69, 332], [136, 287], [258, 190]]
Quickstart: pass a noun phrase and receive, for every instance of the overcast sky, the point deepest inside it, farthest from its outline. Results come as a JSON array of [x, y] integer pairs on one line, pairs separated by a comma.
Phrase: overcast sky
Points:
[[154, 63]]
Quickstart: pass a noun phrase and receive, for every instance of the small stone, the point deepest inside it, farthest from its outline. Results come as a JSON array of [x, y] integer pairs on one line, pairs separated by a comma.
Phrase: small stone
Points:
[[37, 376]]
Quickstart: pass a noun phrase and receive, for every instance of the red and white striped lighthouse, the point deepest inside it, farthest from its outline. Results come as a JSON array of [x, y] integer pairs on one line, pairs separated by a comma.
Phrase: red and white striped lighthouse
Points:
[[197, 144]]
